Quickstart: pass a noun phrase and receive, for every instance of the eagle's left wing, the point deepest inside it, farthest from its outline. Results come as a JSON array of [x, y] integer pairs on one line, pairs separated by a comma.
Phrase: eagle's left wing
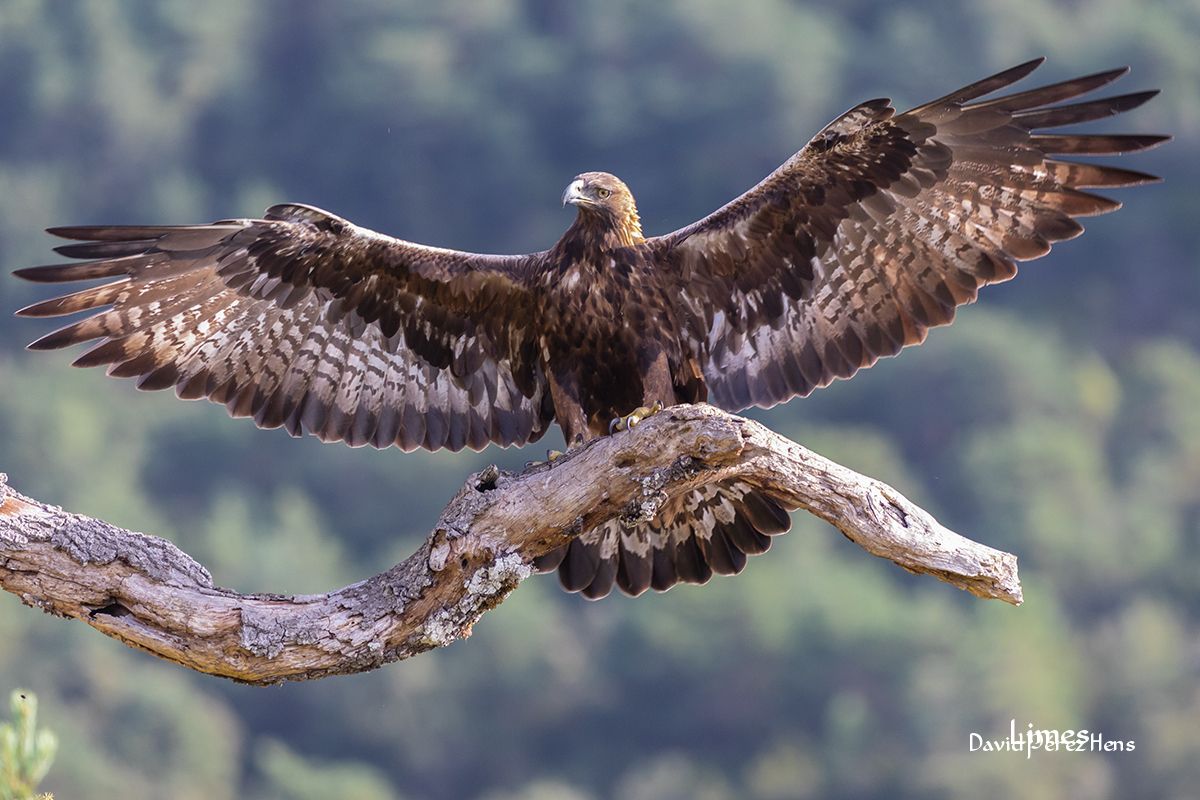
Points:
[[306, 321], [881, 227]]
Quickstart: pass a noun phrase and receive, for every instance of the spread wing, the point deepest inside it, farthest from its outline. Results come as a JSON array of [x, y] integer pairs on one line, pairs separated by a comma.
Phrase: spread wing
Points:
[[306, 321], [881, 227]]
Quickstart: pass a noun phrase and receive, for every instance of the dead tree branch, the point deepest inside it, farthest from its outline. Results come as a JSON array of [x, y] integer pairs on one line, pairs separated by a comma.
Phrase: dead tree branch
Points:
[[149, 594]]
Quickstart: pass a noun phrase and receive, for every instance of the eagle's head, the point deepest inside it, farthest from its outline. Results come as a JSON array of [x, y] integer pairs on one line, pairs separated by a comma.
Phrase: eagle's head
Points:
[[604, 198]]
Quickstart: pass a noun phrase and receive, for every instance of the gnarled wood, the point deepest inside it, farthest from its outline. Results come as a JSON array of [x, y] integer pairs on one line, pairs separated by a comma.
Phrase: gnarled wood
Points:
[[149, 594]]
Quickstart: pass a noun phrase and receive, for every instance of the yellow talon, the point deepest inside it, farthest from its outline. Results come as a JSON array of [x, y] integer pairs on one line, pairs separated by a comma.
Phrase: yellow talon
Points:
[[635, 417], [551, 457]]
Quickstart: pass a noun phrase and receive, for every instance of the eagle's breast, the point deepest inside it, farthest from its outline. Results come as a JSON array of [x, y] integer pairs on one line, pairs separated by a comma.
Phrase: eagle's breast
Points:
[[605, 320]]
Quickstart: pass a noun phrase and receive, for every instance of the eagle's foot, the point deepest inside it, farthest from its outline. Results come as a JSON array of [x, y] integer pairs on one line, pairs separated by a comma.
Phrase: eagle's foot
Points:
[[630, 420], [551, 457]]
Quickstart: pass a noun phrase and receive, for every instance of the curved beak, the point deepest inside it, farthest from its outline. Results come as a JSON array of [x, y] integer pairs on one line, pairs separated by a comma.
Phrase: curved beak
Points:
[[574, 193]]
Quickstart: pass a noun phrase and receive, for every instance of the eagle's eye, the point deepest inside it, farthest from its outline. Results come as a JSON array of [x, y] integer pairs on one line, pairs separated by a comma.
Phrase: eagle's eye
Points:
[[603, 193]]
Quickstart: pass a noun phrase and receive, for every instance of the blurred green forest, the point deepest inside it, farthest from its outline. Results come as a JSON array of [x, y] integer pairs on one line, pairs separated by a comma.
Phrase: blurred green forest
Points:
[[1059, 419]]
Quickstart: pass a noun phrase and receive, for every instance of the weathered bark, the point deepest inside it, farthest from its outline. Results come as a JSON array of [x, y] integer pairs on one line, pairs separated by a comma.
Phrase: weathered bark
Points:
[[149, 594]]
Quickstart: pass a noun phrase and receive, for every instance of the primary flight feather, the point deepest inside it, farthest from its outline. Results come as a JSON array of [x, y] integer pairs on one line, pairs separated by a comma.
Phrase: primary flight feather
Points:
[[876, 231]]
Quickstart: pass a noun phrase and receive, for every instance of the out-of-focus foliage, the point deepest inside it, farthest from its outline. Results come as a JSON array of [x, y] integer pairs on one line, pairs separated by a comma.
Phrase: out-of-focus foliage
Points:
[[1061, 420], [26, 753], [290, 777]]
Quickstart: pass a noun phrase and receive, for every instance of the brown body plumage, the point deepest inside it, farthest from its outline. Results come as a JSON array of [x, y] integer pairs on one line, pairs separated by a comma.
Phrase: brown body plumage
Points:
[[611, 335], [873, 233]]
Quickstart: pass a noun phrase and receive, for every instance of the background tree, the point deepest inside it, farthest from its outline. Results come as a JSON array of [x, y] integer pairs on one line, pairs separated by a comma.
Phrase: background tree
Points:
[[26, 753]]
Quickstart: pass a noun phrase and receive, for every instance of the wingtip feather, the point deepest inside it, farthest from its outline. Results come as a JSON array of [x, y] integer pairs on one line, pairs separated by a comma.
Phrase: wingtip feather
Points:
[[37, 310], [62, 231], [44, 343], [1095, 144], [1057, 116], [985, 86], [57, 340], [114, 233], [34, 274]]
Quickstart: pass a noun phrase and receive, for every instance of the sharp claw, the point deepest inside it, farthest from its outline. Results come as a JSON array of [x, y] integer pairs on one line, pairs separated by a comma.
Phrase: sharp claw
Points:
[[638, 415], [551, 457]]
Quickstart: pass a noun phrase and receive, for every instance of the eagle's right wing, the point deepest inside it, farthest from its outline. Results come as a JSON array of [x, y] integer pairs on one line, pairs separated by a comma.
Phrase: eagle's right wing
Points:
[[306, 321]]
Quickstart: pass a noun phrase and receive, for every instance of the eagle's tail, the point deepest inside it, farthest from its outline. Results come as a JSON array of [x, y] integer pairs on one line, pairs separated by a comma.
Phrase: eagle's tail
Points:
[[710, 530]]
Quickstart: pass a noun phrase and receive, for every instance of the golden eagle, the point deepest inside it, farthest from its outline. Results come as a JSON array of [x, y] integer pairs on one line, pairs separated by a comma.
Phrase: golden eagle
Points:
[[873, 233]]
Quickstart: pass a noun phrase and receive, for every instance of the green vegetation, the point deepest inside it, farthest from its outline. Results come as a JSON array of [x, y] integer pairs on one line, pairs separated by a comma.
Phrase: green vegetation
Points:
[[1060, 419], [25, 752]]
